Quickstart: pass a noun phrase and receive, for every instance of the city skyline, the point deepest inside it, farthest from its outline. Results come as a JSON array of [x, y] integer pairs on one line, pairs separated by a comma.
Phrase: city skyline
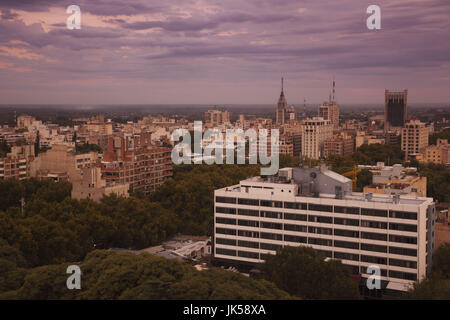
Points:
[[225, 52]]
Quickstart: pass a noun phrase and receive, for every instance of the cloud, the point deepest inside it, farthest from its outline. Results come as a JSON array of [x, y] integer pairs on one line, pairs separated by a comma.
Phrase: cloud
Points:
[[223, 42]]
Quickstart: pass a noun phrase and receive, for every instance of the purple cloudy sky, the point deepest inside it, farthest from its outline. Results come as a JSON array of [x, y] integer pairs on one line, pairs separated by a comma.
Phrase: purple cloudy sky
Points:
[[222, 51]]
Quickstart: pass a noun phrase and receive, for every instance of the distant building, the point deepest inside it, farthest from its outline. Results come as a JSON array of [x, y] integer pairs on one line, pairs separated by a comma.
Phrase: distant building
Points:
[[60, 163], [89, 184], [24, 121], [133, 159], [339, 145], [329, 110], [16, 164], [281, 106], [395, 109], [414, 138], [314, 132], [396, 179], [215, 118], [437, 154]]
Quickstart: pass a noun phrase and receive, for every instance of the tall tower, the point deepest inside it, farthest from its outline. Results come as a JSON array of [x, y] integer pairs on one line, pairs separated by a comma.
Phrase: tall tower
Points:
[[395, 109], [282, 105], [329, 110]]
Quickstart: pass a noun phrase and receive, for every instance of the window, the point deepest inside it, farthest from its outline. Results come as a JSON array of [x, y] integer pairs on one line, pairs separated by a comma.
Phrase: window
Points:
[[246, 254], [373, 247], [320, 230], [228, 242], [226, 231], [248, 202], [320, 242], [271, 236], [403, 215], [403, 227], [349, 210], [226, 252], [270, 246], [346, 222], [320, 207], [320, 219], [402, 275], [225, 220], [268, 203], [346, 233], [225, 200], [346, 244], [296, 239], [403, 263], [373, 224], [248, 212], [272, 215], [296, 205], [375, 260], [248, 234], [271, 225], [373, 212], [248, 244], [403, 251], [294, 227], [248, 223], [402, 239], [295, 216], [374, 236]]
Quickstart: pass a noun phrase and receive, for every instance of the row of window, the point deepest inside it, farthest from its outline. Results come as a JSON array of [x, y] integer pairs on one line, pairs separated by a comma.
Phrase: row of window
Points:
[[322, 219], [320, 230], [320, 207], [319, 241], [339, 255]]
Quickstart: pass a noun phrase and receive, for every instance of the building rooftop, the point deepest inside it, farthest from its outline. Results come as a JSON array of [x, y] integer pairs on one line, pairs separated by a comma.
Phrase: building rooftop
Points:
[[316, 182]]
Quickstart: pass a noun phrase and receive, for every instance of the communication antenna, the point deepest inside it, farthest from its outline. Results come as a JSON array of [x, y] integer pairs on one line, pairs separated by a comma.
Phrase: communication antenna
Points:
[[334, 86]]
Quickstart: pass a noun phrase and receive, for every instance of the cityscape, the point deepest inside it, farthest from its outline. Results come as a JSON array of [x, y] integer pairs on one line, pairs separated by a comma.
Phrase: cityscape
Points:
[[111, 190]]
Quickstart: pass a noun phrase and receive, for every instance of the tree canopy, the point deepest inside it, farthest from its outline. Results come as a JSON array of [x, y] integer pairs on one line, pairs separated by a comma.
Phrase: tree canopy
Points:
[[303, 272]]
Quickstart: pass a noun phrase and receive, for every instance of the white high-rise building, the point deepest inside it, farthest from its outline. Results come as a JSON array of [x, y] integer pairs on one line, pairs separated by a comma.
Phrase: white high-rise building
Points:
[[314, 132], [414, 138], [316, 207]]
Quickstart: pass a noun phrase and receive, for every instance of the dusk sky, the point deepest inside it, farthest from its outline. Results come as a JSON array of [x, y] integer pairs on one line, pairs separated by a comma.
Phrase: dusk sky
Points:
[[222, 51]]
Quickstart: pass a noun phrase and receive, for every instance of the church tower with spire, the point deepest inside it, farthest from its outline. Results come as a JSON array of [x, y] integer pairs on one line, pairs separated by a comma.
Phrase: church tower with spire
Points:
[[282, 106]]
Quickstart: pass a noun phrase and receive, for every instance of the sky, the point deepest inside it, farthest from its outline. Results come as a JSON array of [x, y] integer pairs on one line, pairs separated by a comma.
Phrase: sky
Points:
[[222, 51]]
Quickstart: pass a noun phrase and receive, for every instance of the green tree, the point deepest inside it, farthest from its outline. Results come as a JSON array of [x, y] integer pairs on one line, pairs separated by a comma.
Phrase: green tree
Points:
[[364, 178], [303, 272]]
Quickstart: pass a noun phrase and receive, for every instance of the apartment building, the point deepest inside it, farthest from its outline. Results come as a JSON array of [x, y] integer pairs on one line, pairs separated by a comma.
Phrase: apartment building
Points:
[[314, 132], [89, 184], [16, 163], [316, 207], [339, 145], [437, 154], [133, 160], [414, 138], [215, 118], [395, 180], [329, 110]]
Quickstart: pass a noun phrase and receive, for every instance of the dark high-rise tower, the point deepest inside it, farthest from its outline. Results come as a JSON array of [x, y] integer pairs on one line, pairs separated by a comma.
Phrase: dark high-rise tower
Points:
[[282, 106], [395, 112]]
